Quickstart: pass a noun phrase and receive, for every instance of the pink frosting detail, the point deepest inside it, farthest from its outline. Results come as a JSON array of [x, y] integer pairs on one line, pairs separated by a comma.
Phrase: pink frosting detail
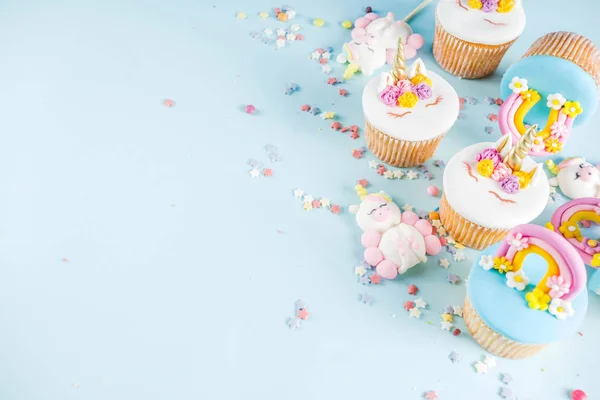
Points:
[[512, 128], [389, 95], [586, 173], [500, 172], [569, 262], [558, 286], [489, 154], [558, 130], [517, 241], [562, 117], [405, 86], [503, 113], [569, 162]]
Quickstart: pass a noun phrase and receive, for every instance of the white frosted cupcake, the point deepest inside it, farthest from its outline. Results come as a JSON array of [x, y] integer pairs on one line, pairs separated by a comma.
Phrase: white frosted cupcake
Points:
[[407, 113]]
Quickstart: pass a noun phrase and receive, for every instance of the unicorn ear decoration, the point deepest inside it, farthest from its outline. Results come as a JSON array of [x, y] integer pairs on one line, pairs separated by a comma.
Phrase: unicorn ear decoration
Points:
[[503, 145], [416, 68]]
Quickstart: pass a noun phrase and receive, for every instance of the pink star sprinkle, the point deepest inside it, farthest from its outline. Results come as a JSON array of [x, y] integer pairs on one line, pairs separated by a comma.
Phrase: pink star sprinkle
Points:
[[336, 126], [363, 182], [169, 103], [493, 117], [267, 172], [320, 51], [499, 101], [345, 129], [431, 395], [323, 61], [316, 204], [412, 290], [303, 314], [335, 209], [64, 259], [354, 128], [357, 153], [354, 135], [305, 107], [343, 92], [409, 305], [375, 279], [381, 170], [299, 36], [277, 10], [332, 81], [443, 241]]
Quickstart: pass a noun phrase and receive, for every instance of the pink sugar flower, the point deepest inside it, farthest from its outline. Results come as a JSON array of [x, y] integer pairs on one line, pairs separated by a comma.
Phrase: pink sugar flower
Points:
[[558, 286], [517, 241], [500, 172], [558, 130]]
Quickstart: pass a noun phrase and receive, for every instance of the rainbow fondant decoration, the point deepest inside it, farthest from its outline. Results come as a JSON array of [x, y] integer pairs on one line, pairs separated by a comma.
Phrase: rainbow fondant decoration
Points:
[[561, 115], [565, 275], [566, 220]]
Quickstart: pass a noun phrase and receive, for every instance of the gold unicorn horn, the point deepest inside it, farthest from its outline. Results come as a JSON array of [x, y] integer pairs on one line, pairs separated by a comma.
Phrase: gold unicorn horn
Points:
[[515, 156], [399, 68]]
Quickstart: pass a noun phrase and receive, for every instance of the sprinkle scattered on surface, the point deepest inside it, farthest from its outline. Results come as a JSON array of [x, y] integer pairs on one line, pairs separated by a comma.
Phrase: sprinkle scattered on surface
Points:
[[480, 367], [431, 395], [415, 312], [453, 278], [319, 22], [454, 357], [409, 305], [169, 103], [444, 263], [420, 303], [412, 290], [507, 378], [365, 298]]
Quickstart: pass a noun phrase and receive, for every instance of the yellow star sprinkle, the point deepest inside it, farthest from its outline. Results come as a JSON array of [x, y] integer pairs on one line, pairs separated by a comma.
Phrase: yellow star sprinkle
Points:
[[328, 115], [241, 15], [263, 14], [447, 317]]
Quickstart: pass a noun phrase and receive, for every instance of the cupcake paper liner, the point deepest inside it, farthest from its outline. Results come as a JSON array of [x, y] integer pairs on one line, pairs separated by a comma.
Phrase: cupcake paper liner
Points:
[[466, 232], [569, 46], [465, 59], [494, 342], [400, 153]]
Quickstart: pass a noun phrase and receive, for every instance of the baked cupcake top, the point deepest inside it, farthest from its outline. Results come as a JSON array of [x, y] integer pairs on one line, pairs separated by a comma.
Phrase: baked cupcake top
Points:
[[412, 103], [491, 22], [496, 185], [535, 300]]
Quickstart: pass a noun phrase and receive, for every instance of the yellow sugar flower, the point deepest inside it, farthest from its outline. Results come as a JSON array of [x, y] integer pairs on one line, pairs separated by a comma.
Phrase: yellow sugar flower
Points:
[[505, 6], [485, 167], [570, 230], [408, 100], [596, 260], [572, 109], [537, 300], [421, 78], [524, 178], [530, 95], [552, 145], [476, 4], [502, 264]]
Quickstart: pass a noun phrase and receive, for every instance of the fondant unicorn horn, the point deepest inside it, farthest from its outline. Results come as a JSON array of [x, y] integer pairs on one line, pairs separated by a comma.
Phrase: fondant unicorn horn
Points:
[[399, 69], [361, 191], [515, 156], [417, 10]]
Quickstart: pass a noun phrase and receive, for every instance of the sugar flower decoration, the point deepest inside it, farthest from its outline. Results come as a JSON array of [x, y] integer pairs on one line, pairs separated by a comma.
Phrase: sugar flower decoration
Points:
[[537, 300], [500, 172], [517, 241], [558, 286], [423, 91], [555, 101], [517, 280], [476, 4], [505, 6], [489, 5], [538, 144], [405, 86], [553, 145], [485, 167], [490, 154], [502, 264], [530, 95], [510, 184], [572, 108], [486, 262], [561, 309], [558, 130], [518, 85], [408, 100], [389, 95]]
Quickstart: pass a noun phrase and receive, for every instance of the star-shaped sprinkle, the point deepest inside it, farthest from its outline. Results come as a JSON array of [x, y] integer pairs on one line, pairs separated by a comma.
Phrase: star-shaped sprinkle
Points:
[[446, 326], [328, 115], [268, 31], [263, 14], [409, 305], [412, 289], [365, 298], [439, 163], [447, 317], [335, 209], [300, 304], [489, 100], [489, 130], [280, 43], [415, 312], [303, 314], [471, 100], [381, 170], [431, 395], [308, 206], [454, 357], [373, 164], [481, 367], [254, 164], [490, 361], [295, 27], [314, 110], [169, 103], [291, 14], [267, 172], [254, 173], [444, 262], [293, 323], [458, 311], [325, 202], [316, 204], [326, 55], [343, 92], [305, 107], [241, 15], [506, 393], [364, 280], [375, 279], [398, 174], [308, 198], [354, 135], [388, 174], [436, 223], [441, 231], [412, 174], [420, 303], [499, 101], [363, 182], [507, 378], [453, 278], [461, 116], [493, 117], [270, 147], [290, 36], [360, 270], [332, 81], [448, 310], [459, 256], [326, 68], [281, 32]]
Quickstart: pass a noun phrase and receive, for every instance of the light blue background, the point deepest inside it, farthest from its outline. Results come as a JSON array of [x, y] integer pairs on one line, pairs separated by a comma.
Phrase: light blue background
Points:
[[178, 284]]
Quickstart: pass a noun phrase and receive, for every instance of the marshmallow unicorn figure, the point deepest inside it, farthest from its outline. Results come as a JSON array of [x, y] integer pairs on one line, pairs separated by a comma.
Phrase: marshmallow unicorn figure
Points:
[[576, 178], [375, 40], [394, 241]]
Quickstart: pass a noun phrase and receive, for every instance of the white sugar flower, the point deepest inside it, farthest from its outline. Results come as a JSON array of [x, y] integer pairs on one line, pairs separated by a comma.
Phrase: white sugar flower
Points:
[[555, 101], [518, 85], [517, 280], [561, 309], [486, 262]]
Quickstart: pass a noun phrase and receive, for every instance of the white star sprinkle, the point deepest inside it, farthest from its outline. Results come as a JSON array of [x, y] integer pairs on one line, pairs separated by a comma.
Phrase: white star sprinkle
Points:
[[308, 198], [441, 231], [458, 311], [315, 55], [360, 270], [490, 361], [325, 202], [373, 164], [444, 263], [326, 68], [291, 36], [326, 55], [254, 173], [415, 312], [420, 303], [388, 174], [481, 367], [412, 174], [268, 31], [459, 256], [298, 193], [398, 174], [446, 325], [280, 43], [295, 27], [436, 223], [407, 207], [281, 32]]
